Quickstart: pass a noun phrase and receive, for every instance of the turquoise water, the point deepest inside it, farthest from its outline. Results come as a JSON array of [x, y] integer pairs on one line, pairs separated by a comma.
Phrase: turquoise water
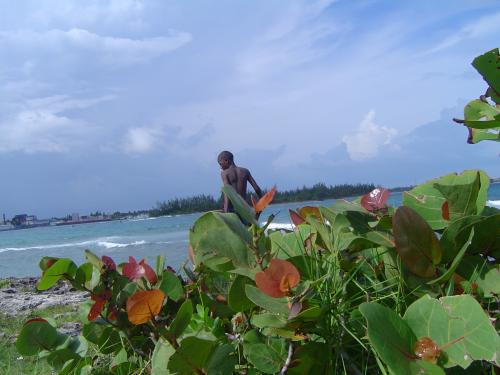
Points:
[[20, 250]]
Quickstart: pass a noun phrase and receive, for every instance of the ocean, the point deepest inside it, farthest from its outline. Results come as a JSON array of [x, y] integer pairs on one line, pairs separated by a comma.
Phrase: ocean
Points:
[[21, 250]]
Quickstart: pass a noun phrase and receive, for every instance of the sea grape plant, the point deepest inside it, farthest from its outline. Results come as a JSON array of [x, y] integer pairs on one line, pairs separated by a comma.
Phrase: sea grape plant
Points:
[[482, 116], [357, 287]]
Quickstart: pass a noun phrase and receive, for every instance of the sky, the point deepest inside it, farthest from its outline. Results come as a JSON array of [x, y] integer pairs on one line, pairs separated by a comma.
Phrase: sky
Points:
[[114, 105]]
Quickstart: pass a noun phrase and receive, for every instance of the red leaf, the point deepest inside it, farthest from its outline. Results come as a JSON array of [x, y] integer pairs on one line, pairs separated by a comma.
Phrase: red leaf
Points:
[[264, 201], [375, 200], [150, 274], [296, 218], [278, 279], [132, 270], [310, 211], [445, 210], [100, 301], [108, 263]]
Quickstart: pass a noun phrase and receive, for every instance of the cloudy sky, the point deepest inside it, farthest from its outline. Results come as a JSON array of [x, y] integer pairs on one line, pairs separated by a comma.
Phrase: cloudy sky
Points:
[[115, 105]]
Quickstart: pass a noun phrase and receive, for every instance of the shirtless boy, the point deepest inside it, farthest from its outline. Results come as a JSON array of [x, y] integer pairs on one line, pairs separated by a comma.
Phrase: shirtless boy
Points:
[[237, 177]]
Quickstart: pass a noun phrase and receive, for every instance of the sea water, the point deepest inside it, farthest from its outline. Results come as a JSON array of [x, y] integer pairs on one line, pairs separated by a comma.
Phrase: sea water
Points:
[[21, 250]]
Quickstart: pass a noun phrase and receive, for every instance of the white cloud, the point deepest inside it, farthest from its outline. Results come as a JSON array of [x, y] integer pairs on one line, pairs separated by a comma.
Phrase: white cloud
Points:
[[113, 50], [366, 142], [142, 140], [39, 125]]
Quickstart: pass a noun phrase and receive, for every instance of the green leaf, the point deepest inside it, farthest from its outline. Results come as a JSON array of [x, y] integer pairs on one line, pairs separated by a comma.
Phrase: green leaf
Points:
[[267, 358], [449, 273], [182, 319], [222, 361], [456, 235], [192, 355], [161, 355], [239, 204], [311, 358], [93, 259], [489, 282], [274, 305], [221, 235], [171, 286], [237, 298], [462, 199], [268, 320], [416, 243], [488, 65], [60, 269], [455, 318], [390, 336], [35, 336], [88, 276], [427, 200]]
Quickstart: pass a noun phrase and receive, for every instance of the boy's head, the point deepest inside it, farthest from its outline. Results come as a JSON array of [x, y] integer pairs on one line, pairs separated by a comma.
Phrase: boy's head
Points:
[[225, 159]]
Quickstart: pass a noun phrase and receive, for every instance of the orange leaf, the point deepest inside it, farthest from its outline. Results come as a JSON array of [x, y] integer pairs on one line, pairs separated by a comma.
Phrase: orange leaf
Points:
[[264, 201], [144, 305], [278, 279]]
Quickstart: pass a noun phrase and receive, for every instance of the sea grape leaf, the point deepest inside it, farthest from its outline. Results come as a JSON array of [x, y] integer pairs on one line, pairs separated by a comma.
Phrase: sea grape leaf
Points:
[[427, 200], [287, 245], [161, 355], [416, 243], [61, 268], [458, 258], [221, 235], [390, 336], [487, 238], [267, 358], [87, 275], [461, 199], [182, 319], [309, 359], [144, 305], [375, 200], [36, 335], [266, 320], [237, 298], [488, 65], [191, 357], [222, 361], [455, 235], [452, 318], [342, 205], [239, 204], [489, 282], [171, 286], [274, 305]]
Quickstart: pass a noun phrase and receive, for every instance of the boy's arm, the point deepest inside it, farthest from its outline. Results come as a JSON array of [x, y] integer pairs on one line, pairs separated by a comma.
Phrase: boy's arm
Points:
[[225, 181], [254, 185]]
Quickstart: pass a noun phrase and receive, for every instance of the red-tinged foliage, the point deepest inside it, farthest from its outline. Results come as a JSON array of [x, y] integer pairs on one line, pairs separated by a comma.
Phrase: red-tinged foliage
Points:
[[133, 270], [150, 273], [109, 263], [35, 320], [445, 210], [375, 200], [100, 301], [278, 279], [296, 218], [264, 201], [144, 305], [310, 211]]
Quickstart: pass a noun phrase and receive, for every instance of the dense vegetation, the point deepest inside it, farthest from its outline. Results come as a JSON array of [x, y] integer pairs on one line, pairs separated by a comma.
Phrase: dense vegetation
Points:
[[355, 288]]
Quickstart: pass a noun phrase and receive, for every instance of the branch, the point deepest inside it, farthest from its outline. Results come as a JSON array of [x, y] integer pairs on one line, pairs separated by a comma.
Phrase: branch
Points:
[[288, 360]]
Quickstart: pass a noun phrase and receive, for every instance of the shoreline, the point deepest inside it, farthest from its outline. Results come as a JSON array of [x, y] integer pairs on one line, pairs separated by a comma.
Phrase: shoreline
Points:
[[19, 296]]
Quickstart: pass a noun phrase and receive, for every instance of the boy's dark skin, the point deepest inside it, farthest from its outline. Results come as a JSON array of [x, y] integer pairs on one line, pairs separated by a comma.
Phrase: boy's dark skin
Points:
[[237, 177]]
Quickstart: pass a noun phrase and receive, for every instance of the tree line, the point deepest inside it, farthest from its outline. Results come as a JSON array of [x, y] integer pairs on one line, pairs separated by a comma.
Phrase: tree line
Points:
[[204, 202]]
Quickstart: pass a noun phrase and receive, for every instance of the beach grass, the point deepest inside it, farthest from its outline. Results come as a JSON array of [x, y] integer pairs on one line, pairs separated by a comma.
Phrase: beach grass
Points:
[[4, 283], [11, 362]]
